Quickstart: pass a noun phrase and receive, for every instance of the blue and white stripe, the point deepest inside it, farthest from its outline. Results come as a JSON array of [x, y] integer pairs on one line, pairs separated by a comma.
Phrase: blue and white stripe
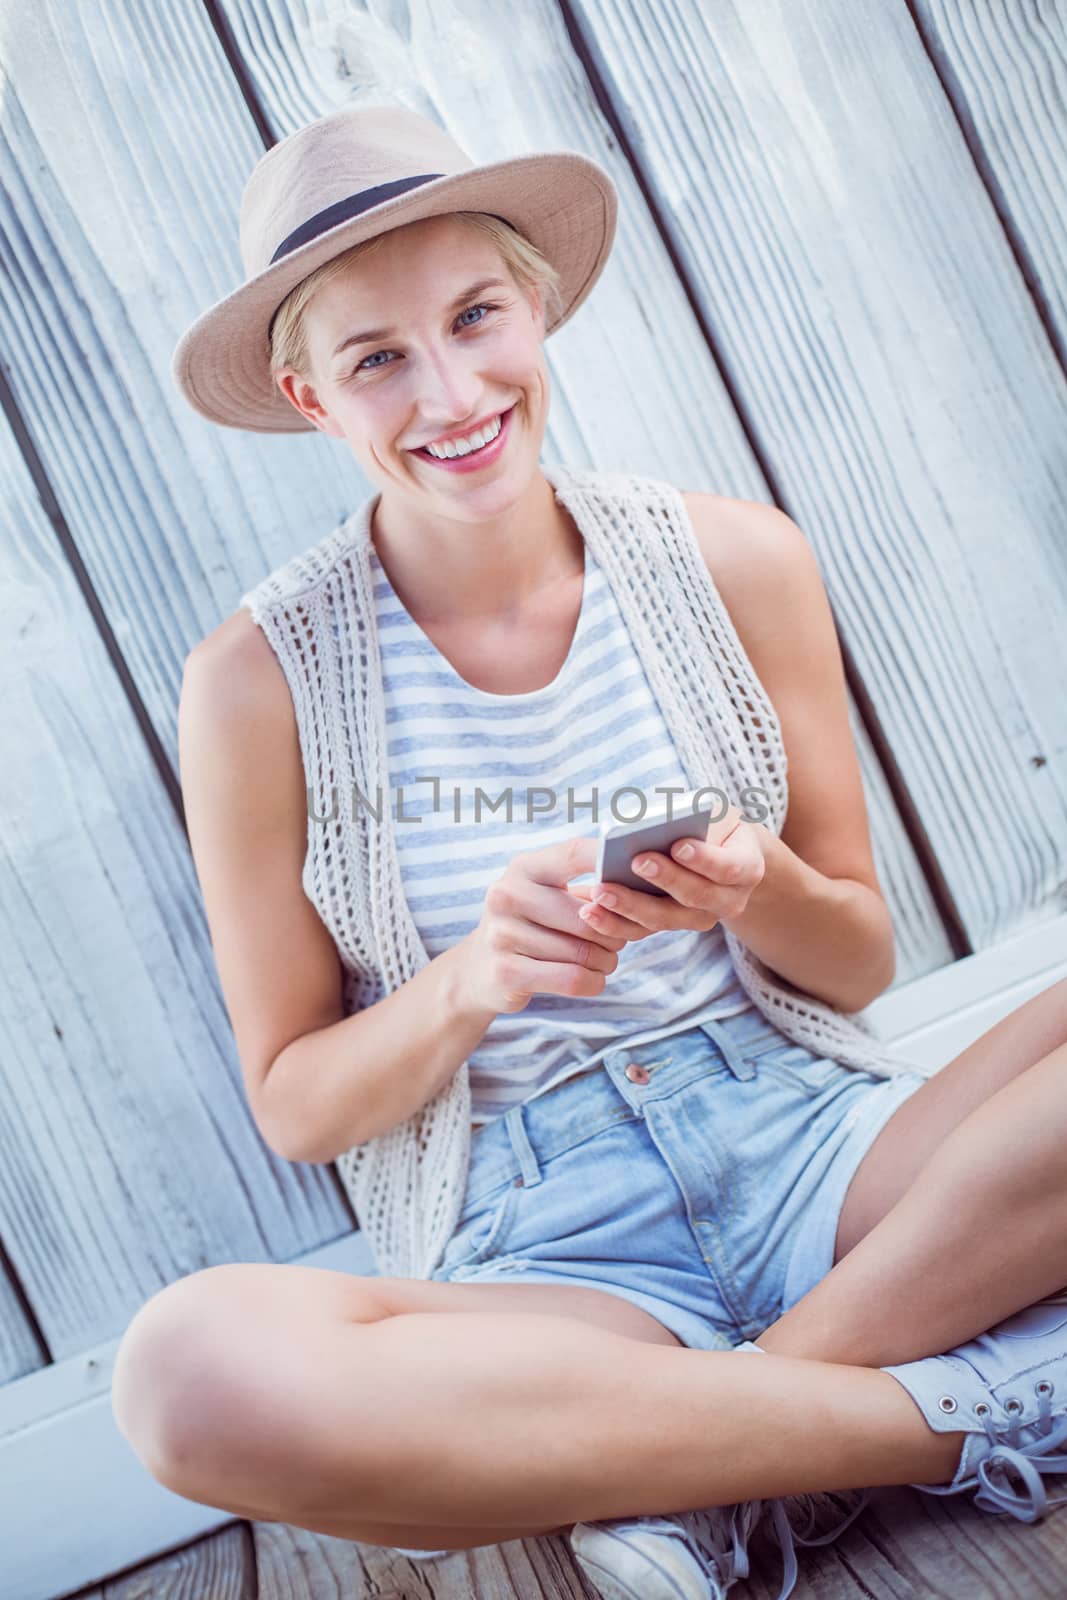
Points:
[[596, 728]]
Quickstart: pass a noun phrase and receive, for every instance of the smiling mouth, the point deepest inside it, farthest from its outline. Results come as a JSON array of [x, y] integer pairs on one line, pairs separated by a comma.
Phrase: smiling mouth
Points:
[[469, 445]]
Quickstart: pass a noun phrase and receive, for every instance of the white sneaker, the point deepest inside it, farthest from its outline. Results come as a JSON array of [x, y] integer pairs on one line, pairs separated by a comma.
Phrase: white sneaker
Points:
[[696, 1555], [667, 1558], [1006, 1391]]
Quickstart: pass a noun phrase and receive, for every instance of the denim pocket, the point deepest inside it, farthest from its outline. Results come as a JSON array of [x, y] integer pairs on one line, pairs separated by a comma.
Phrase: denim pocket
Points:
[[480, 1237], [763, 1044], [795, 1064]]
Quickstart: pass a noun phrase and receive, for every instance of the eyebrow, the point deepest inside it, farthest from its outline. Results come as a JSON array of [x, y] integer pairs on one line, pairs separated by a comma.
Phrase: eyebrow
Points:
[[370, 334]]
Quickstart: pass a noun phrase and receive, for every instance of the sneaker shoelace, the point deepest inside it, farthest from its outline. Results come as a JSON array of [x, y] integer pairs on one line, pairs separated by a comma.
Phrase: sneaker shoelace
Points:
[[1030, 1458], [720, 1534]]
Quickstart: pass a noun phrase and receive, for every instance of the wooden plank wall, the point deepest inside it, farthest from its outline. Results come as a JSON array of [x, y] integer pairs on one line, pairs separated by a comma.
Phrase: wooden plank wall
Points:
[[838, 285]]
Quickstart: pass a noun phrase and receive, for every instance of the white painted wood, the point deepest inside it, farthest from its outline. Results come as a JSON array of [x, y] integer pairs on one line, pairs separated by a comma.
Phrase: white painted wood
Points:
[[895, 370], [126, 145], [128, 1156], [937, 1016], [922, 944], [1005, 65], [76, 1505]]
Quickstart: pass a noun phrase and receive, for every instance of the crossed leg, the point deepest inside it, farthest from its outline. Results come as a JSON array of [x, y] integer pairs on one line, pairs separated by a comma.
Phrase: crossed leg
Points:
[[960, 1204], [292, 1394]]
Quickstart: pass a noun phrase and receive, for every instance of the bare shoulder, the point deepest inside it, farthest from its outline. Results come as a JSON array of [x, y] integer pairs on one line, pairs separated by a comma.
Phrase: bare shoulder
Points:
[[238, 742], [238, 655], [756, 555], [233, 683]]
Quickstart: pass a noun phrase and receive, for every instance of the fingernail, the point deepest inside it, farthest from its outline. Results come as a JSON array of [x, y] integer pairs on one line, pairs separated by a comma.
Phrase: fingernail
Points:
[[685, 852], [647, 869], [606, 900]]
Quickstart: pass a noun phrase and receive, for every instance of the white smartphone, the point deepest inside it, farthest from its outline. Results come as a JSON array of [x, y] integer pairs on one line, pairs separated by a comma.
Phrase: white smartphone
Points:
[[620, 842]]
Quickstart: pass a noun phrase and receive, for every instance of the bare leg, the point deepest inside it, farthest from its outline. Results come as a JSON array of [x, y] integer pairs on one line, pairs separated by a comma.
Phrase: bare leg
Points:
[[1015, 1043], [511, 1421], [981, 1233], [180, 1441]]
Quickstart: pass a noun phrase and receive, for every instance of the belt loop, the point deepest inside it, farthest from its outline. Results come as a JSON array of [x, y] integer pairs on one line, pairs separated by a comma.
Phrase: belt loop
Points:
[[733, 1057], [520, 1143]]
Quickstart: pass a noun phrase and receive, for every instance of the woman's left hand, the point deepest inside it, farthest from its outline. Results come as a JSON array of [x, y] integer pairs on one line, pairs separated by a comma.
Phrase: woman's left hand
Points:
[[713, 885]]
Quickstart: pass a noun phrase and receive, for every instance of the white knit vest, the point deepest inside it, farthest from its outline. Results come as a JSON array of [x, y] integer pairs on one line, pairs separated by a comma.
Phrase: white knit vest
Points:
[[407, 1185]]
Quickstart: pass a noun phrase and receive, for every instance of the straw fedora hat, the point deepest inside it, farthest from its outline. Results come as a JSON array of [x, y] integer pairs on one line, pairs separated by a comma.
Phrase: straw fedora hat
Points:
[[344, 178]]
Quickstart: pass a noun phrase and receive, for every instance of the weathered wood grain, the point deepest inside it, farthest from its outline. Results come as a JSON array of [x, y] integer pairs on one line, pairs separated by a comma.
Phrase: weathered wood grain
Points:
[[1004, 66], [221, 1566], [127, 1155], [890, 361], [905, 1544], [296, 1565]]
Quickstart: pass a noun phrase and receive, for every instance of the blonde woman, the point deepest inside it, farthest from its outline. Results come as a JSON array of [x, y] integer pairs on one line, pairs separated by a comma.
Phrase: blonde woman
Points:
[[592, 1144]]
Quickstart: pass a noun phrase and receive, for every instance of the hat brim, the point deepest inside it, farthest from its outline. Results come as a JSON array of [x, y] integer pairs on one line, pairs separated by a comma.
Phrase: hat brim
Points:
[[565, 204]]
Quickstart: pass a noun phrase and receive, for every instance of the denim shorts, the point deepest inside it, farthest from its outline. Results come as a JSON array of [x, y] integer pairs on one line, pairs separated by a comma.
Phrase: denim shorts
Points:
[[700, 1176]]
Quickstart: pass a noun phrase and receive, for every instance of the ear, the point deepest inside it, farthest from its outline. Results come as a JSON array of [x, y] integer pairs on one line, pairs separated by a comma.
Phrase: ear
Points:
[[298, 391]]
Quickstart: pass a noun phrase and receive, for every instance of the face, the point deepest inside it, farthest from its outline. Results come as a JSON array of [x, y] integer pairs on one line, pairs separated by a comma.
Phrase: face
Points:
[[448, 361]]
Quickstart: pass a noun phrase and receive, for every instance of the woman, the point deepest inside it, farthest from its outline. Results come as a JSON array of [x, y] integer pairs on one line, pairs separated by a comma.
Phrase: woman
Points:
[[586, 1134]]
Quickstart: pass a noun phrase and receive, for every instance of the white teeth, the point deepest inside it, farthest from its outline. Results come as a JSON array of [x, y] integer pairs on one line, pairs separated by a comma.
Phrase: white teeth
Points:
[[463, 447]]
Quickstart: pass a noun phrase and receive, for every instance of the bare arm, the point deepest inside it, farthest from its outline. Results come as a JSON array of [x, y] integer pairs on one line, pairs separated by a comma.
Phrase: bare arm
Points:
[[819, 917], [408, 1044], [317, 1082]]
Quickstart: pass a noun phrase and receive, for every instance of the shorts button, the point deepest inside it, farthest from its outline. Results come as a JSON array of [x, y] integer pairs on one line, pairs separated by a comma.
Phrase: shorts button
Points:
[[637, 1073]]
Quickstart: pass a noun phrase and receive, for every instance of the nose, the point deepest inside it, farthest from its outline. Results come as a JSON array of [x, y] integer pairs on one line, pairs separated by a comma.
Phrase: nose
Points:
[[449, 392]]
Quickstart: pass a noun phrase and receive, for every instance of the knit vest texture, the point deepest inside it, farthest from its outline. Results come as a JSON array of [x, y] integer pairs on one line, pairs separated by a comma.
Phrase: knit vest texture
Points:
[[317, 611]]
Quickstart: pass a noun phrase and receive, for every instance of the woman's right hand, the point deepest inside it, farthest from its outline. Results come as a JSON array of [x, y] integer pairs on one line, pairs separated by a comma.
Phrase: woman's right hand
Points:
[[530, 939]]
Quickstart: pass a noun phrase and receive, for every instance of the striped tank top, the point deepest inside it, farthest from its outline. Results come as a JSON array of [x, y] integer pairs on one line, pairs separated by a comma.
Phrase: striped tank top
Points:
[[477, 777]]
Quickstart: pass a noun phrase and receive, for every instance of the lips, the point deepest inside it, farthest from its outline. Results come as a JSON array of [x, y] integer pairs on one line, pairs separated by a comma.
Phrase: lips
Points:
[[423, 450], [476, 460], [477, 427]]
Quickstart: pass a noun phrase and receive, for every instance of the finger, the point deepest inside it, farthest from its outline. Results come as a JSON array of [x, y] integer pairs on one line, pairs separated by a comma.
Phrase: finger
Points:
[[552, 908], [582, 891], [739, 864], [534, 976], [524, 938], [555, 864], [610, 922], [689, 890], [655, 913]]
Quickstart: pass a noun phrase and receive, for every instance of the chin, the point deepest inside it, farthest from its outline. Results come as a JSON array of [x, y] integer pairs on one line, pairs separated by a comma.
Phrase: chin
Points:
[[493, 500], [496, 500]]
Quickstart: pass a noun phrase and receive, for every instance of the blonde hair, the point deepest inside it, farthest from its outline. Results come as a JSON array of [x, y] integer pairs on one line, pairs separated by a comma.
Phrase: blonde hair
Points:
[[529, 268]]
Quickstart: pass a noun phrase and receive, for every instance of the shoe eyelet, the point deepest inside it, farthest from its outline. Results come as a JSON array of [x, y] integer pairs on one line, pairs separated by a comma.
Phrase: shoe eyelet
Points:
[[1012, 1406], [1044, 1387], [981, 1409], [947, 1403]]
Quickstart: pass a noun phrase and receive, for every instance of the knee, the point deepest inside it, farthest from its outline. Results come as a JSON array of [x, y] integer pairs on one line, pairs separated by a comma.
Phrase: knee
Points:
[[164, 1384]]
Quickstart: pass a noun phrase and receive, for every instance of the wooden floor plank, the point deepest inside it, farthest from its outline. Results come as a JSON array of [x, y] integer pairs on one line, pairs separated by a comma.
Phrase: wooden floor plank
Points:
[[296, 1565], [220, 1566]]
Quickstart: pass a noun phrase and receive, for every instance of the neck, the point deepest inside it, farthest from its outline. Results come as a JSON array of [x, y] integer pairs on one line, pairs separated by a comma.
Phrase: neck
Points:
[[447, 570]]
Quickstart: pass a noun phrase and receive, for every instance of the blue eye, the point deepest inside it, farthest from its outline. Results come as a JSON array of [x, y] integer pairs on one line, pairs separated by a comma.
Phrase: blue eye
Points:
[[371, 364]]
